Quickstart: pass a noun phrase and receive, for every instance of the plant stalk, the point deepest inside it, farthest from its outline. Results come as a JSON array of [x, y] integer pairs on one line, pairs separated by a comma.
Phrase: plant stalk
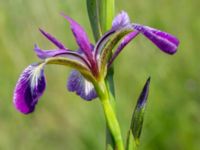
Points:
[[110, 115]]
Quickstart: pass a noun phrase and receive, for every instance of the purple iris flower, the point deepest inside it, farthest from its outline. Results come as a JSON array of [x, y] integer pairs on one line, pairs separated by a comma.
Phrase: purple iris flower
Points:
[[90, 62]]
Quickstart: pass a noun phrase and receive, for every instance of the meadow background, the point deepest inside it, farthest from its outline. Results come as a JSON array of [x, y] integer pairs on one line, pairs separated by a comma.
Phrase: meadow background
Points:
[[62, 120]]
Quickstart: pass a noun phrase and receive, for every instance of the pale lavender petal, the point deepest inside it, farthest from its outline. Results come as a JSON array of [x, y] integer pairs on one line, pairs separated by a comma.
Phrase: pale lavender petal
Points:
[[29, 88], [78, 84], [80, 36], [121, 20], [128, 38], [165, 41], [52, 39]]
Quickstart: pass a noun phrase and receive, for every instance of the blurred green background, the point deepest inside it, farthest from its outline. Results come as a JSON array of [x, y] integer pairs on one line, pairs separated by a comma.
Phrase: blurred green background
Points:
[[62, 120]]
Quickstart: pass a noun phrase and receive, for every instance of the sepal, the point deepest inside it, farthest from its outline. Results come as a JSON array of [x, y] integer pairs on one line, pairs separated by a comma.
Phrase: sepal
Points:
[[82, 87], [29, 88]]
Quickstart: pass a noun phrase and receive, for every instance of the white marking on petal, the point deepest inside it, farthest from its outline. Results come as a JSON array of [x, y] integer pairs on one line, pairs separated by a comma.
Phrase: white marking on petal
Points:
[[88, 87], [35, 75]]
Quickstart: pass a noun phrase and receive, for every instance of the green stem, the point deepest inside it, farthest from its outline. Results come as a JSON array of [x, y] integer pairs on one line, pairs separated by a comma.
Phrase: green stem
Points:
[[111, 89], [110, 116]]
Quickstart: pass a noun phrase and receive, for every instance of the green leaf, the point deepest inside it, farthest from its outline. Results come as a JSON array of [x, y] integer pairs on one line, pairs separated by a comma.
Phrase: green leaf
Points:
[[138, 115], [106, 13], [93, 13]]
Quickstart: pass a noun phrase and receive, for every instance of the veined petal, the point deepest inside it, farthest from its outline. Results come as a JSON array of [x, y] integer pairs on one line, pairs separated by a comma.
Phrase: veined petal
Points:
[[52, 39], [73, 63], [128, 38], [78, 84], [107, 49], [29, 88], [43, 54], [80, 36], [102, 42], [121, 20], [76, 55], [165, 41]]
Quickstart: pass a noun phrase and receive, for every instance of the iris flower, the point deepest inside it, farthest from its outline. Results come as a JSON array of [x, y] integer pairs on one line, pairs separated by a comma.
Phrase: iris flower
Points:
[[90, 61]]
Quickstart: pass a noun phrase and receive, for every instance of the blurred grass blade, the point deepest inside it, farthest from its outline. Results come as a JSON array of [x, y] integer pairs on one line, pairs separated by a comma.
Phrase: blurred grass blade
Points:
[[131, 145], [138, 115], [109, 147], [93, 13]]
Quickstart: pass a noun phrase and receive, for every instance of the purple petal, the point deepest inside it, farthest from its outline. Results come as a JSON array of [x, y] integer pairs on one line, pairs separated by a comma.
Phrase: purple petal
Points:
[[43, 54], [77, 83], [80, 36], [102, 42], [128, 38], [74, 55], [121, 20], [52, 39], [29, 88], [165, 41]]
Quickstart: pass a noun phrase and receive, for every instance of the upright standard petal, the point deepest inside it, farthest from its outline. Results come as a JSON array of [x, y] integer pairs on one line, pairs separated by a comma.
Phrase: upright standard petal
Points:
[[52, 39], [165, 41], [77, 83], [107, 49], [80, 36], [128, 38], [121, 20], [29, 88]]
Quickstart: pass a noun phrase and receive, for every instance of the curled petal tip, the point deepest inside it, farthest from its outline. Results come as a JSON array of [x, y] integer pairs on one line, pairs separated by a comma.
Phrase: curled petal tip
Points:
[[121, 20], [29, 88], [163, 40]]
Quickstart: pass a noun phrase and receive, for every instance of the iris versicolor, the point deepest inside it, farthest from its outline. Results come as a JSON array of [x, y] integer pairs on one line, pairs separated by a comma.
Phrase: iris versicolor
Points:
[[90, 61]]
